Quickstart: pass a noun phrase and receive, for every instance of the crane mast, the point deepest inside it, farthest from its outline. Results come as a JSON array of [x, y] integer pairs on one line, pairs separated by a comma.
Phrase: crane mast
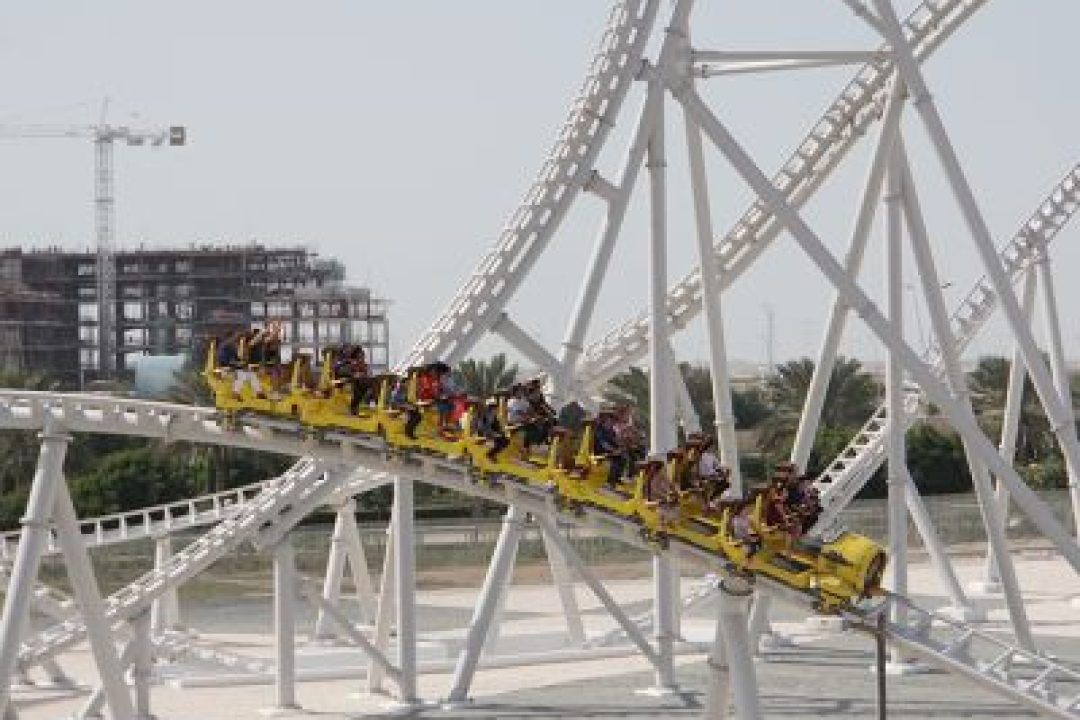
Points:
[[104, 216], [104, 137]]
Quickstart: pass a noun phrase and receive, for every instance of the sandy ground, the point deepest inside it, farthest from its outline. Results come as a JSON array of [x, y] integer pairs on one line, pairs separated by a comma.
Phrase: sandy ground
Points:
[[820, 675]]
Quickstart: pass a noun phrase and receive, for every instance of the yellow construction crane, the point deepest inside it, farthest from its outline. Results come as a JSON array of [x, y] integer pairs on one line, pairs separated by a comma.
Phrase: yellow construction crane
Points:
[[104, 136]]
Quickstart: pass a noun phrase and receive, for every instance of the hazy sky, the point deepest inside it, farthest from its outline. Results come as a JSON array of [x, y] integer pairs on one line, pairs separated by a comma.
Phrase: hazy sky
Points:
[[399, 136]]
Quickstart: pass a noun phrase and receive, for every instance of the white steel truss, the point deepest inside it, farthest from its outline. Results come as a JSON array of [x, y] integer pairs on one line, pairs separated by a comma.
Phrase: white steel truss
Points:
[[336, 466]]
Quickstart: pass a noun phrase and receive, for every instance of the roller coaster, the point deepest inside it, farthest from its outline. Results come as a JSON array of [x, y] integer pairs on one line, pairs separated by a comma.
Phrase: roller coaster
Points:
[[838, 573], [397, 437]]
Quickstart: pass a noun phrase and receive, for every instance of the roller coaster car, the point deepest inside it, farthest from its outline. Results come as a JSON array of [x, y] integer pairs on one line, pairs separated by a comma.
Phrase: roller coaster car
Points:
[[837, 573]]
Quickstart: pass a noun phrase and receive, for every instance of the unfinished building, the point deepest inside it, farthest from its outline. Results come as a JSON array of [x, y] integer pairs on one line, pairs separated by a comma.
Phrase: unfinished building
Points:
[[171, 301]]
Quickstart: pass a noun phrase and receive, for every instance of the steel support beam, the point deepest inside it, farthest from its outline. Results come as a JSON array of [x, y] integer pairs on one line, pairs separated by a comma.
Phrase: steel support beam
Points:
[[165, 610], [710, 296], [385, 616], [923, 103], [87, 594], [285, 624], [954, 373], [1010, 430], [810, 417], [960, 417], [896, 447], [1059, 369], [405, 573], [35, 536], [564, 585], [495, 582], [578, 565], [734, 605]]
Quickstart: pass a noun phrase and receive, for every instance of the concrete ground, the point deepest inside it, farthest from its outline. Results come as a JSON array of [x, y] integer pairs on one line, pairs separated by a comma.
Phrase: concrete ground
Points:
[[820, 676]]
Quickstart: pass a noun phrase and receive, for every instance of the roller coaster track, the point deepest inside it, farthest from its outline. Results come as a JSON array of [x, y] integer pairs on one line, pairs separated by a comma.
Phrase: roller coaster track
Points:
[[1030, 679], [858, 106], [147, 522], [263, 521], [567, 168], [851, 469]]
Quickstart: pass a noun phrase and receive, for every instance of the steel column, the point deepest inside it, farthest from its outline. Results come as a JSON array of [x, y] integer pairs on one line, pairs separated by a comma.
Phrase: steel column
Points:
[[939, 558], [285, 623], [710, 295], [718, 692], [142, 664], [1010, 430], [35, 535], [660, 414], [564, 584], [165, 610], [734, 601], [498, 575], [405, 572], [358, 565], [894, 395], [385, 616], [1059, 369], [335, 571]]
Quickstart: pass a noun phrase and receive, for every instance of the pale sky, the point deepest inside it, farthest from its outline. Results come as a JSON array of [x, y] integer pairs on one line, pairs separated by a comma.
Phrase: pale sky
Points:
[[400, 136]]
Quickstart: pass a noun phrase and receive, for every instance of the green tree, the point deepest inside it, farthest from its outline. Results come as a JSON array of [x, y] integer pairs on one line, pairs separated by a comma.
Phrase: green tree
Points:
[[989, 383], [19, 448], [134, 478], [483, 378], [936, 460], [851, 398]]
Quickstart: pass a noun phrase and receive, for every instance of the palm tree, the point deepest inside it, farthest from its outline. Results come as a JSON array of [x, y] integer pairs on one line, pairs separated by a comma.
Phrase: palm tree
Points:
[[480, 378], [852, 397], [631, 388]]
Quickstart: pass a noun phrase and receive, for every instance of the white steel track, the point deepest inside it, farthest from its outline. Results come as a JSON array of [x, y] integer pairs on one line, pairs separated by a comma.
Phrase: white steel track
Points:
[[564, 173], [147, 522]]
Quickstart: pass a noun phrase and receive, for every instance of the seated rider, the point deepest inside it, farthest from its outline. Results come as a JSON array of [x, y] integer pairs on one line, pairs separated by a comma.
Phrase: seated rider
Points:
[[445, 393], [518, 414], [247, 352], [606, 443], [486, 424], [712, 476], [742, 527], [630, 438], [350, 366], [228, 355], [541, 415], [399, 400], [659, 490]]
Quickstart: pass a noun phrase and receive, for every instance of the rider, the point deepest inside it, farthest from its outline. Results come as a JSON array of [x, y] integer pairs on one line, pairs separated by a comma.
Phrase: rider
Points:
[[486, 424]]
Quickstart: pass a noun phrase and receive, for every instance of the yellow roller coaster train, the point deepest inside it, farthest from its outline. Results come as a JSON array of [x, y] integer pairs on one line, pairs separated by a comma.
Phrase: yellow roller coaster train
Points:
[[837, 573]]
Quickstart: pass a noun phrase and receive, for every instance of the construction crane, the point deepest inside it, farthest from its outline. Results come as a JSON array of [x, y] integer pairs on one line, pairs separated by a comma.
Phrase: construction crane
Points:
[[104, 136]]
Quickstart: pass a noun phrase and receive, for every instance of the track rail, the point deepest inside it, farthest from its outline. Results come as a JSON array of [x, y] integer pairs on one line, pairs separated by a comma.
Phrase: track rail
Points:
[[147, 522], [847, 119], [852, 468], [564, 173], [1043, 684]]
